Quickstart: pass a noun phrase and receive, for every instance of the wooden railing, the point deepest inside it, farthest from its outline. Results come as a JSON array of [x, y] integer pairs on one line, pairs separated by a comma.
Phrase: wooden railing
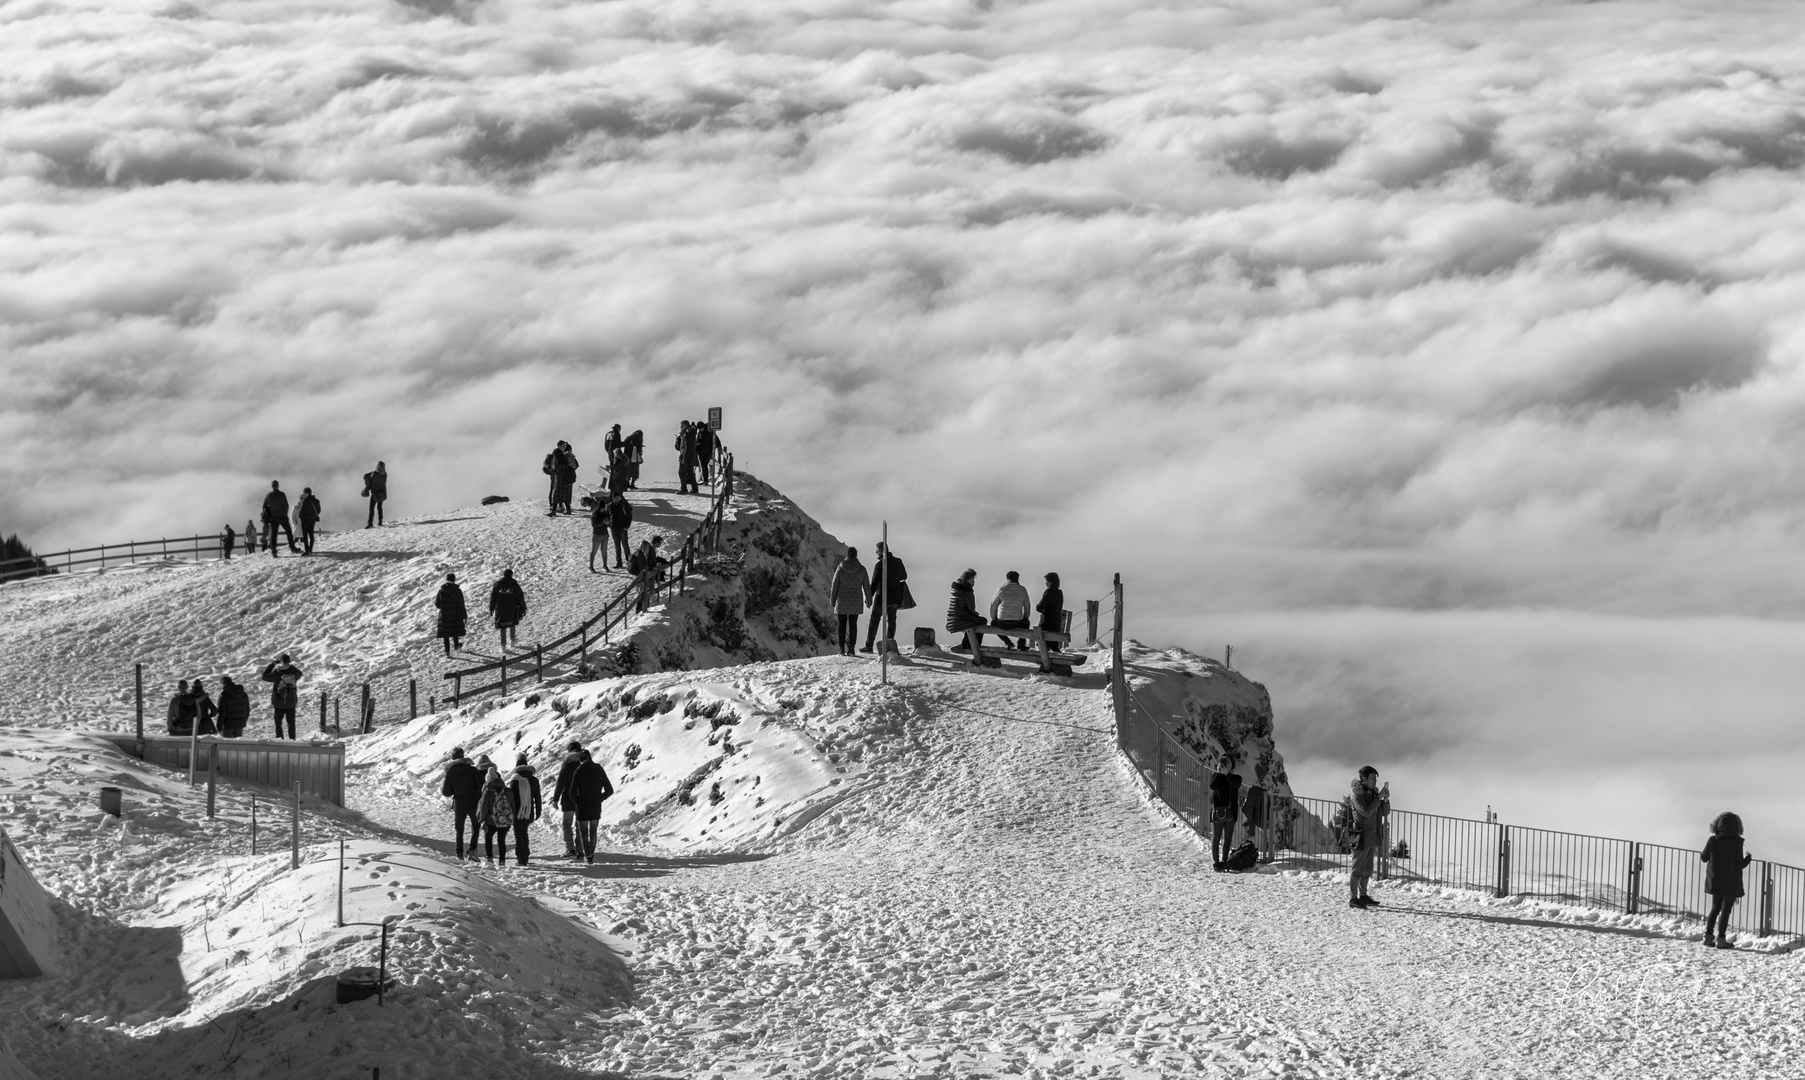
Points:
[[178, 549]]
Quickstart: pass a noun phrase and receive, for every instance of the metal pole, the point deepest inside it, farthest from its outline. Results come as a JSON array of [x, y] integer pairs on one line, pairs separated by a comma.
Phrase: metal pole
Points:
[[212, 776], [194, 737], [138, 678], [363, 708], [337, 723], [1633, 895], [294, 854], [322, 710], [253, 823], [1767, 898], [504, 663], [382, 965], [883, 611], [539, 662], [341, 881], [1119, 678], [1503, 860]]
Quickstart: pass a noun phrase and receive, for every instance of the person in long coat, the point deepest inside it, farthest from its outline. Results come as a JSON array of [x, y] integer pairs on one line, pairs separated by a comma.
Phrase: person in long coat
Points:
[[886, 602], [962, 616], [234, 708], [452, 613], [591, 788], [850, 585], [635, 448], [507, 602], [1724, 862]]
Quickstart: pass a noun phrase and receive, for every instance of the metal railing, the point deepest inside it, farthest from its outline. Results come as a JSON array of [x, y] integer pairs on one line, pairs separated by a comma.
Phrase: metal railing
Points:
[[596, 630], [1490, 856], [168, 549], [320, 769]]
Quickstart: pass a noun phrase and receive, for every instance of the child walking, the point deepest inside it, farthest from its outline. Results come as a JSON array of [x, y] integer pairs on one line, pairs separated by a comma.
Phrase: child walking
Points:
[[1724, 861]]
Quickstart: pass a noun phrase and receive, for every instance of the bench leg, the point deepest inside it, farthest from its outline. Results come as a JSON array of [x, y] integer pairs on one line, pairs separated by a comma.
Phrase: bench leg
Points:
[[975, 639], [1046, 664]]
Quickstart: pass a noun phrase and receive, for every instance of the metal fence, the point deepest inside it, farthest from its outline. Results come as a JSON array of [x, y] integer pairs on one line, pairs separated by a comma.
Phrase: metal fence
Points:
[[1504, 860], [319, 768]]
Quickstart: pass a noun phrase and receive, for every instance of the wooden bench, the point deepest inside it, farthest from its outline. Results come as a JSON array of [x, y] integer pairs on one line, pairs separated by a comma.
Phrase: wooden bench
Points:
[[1046, 657]]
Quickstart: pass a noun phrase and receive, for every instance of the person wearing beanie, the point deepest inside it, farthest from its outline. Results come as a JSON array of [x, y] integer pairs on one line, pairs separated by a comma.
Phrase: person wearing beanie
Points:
[[452, 614], [284, 679], [507, 602], [523, 791], [564, 795], [376, 486], [464, 787], [234, 708]]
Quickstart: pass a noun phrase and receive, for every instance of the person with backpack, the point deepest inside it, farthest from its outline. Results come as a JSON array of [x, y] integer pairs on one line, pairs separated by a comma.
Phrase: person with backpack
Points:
[[1368, 808], [495, 810], [234, 708], [1724, 862], [523, 789], [564, 795], [309, 515], [376, 487], [507, 602], [890, 593], [1009, 608], [181, 712], [275, 516], [847, 594], [285, 693], [464, 787], [228, 539], [203, 708], [590, 788], [452, 614], [1225, 802], [962, 618], [1253, 812]]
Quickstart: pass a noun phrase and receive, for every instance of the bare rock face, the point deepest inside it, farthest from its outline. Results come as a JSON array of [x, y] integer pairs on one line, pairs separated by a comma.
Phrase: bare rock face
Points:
[[1210, 709]]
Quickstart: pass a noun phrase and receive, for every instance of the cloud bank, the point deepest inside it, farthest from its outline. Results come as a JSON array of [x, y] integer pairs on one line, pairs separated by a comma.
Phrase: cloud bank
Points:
[[1277, 307]]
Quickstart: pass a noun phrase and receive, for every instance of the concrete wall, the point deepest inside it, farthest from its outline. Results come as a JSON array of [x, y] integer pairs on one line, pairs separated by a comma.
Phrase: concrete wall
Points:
[[27, 930]]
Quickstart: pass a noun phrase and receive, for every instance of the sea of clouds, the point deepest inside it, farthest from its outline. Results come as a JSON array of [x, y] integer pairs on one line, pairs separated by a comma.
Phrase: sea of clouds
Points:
[[1443, 357]]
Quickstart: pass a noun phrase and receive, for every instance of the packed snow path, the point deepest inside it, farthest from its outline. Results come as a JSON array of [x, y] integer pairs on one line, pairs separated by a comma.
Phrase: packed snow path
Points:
[[1002, 900]]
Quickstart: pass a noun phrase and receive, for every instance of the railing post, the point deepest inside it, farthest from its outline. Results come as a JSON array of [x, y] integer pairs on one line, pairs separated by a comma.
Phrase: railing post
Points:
[[1767, 898], [341, 881], [253, 823], [1503, 861], [1159, 777], [322, 710], [539, 662], [457, 689], [1093, 611], [413, 699], [1633, 898], [294, 853], [1118, 677], [212, 776], [366, 711], [138, 679], [504, 670], [338, 724]]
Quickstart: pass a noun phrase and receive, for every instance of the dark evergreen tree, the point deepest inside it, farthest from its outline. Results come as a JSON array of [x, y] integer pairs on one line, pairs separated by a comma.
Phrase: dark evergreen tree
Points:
[[19, 561]]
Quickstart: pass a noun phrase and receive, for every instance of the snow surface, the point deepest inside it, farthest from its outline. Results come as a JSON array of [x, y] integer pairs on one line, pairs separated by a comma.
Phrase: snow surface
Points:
[[808, 874]]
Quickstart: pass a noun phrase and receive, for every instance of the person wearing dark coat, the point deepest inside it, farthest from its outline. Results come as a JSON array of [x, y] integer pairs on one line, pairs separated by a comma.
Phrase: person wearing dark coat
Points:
[[962, 616], [464, 787], [376, 486], [1724, 862], [598, 530], [523, 787], [203, 708], [452, 613], [497, 826], [1225, 802], [686, 459], [564, 795], [635, 449], [284, 679], [507, 602], [886, 603], [620, 519], [227, 541], [1052, 607], [234, 708], [705, 450], [564, 476], [309, 515], [590, 789], [181, 711], [847, 594], [275, 516]]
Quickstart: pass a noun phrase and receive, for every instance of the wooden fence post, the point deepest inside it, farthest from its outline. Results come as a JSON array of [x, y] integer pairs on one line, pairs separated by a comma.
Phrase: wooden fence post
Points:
[[539, 661], [457, 689], [294, 854], [322, 710], [413, 699], [138, 678], [1119, 678], [212, 776], [366, 710]]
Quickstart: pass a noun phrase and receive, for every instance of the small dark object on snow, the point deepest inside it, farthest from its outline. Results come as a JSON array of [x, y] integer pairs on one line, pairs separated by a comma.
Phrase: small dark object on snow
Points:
[[924, 637], [1401, 850], [356, 984], [109, 801], [532, 700], [491, 500], [1242, 858]]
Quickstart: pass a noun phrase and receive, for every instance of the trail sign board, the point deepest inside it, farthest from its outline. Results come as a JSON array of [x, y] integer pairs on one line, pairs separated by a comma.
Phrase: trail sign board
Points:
[[714, 418]]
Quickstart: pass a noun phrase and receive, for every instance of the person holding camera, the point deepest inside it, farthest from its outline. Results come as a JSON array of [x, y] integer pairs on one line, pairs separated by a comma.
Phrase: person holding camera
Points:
[[1370, 806], [284, 679]]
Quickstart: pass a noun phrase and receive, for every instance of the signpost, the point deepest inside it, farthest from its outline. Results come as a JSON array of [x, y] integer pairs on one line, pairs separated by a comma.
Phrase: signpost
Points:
[[714, 418]]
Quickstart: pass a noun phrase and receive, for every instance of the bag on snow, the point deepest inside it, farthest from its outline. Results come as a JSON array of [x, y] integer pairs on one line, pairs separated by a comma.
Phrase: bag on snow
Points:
[[1242, 858]]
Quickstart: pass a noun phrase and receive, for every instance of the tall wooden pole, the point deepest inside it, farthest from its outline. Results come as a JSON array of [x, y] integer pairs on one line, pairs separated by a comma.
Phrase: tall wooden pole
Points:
[[1120, 680], [138, 676], [883, 611]]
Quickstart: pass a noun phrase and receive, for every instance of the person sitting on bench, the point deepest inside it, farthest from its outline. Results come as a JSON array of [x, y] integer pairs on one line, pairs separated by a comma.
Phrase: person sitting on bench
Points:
[[1009, 609], [962, 617]]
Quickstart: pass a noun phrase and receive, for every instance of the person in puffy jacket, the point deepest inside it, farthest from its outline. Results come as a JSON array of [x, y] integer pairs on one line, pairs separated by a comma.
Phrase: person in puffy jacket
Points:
[[495, 810], [889, 594], [181, 711], [285, 692], [523, 789], [309, 515], [376, 486], [1724, 862], [847, 592], [564, 795], [203, 708], [452, 614], [1009, 608], [686, 459], [962, 617], [507, 602], [1052, 606], [464, 787], [590, 789], [1370, 808], [234, 708], [635, 449]]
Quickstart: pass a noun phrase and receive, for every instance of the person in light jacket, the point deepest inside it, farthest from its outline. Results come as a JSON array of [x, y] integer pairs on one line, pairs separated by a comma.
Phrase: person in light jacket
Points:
[[1009, 608], [851, 583], [1724, 862], [452, 614]]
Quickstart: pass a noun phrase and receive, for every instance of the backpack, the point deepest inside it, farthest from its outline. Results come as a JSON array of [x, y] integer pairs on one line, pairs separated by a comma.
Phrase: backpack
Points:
[[547, 467], [501, 809], [1242, 858]]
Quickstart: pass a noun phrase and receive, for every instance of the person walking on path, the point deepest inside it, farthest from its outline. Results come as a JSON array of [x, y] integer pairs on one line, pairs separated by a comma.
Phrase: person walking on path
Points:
[[850, 586], [284, 679], [1370, 807], [1052, 607], [234, 708], [592, 788], [1724, 862], [523, 788], [228, 540], [564, 477], [705, 444], [1009, 608], [564, 795], [496, 812], [962, 618], [181, 712], [464, 787], [889, 572], [275, 516], [598, 530], [452, 614], [309, 515], [204, 709], [620, 519], [376, 486], [1225, 800], [507, 602]]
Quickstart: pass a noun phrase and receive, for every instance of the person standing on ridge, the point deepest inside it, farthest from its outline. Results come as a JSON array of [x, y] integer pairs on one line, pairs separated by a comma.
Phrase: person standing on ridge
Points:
[[523, 789], [635, 449], [234, 708], [686, 460], [464, 787], [591, 790], [181, 712], [376, 486], [705, 443], [204, 709], [962, 618], [1225, 801], [598, 530], [507, 602], [889, 572], [285, 691], [228, 539], [1370, 807], [847, 592], [620, 519], [565, 477], [564, 795], [1009, 608], [309, 514], [452, 614], [275, 516], [1724, 862], [250, 537]]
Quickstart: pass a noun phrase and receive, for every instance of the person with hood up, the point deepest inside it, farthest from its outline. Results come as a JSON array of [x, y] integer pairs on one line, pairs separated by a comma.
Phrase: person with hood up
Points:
[[523, 789], [1724, 862], [309, 515], [464, 787], [1370, 807], [564, 795], [275, 517], [962, 618], [635, 449], [452, 614], [564, 477], [620, 519], [285, 693], [891, 599], [181, 712], [234, 708], [495, 810], [228, 539], [591, 789], [507, 602], [376, 486], [847, 593], [686, 459], [204, 709], [1009, 608]]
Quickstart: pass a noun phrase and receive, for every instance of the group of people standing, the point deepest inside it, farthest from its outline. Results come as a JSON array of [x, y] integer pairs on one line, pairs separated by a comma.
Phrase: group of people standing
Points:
[[696, 444], [193, 712], [507, 806], [275, 517], [854, 588]]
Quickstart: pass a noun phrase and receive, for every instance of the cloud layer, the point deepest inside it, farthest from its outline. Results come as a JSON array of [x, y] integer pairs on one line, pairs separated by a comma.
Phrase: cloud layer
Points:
[[1274, 306]]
